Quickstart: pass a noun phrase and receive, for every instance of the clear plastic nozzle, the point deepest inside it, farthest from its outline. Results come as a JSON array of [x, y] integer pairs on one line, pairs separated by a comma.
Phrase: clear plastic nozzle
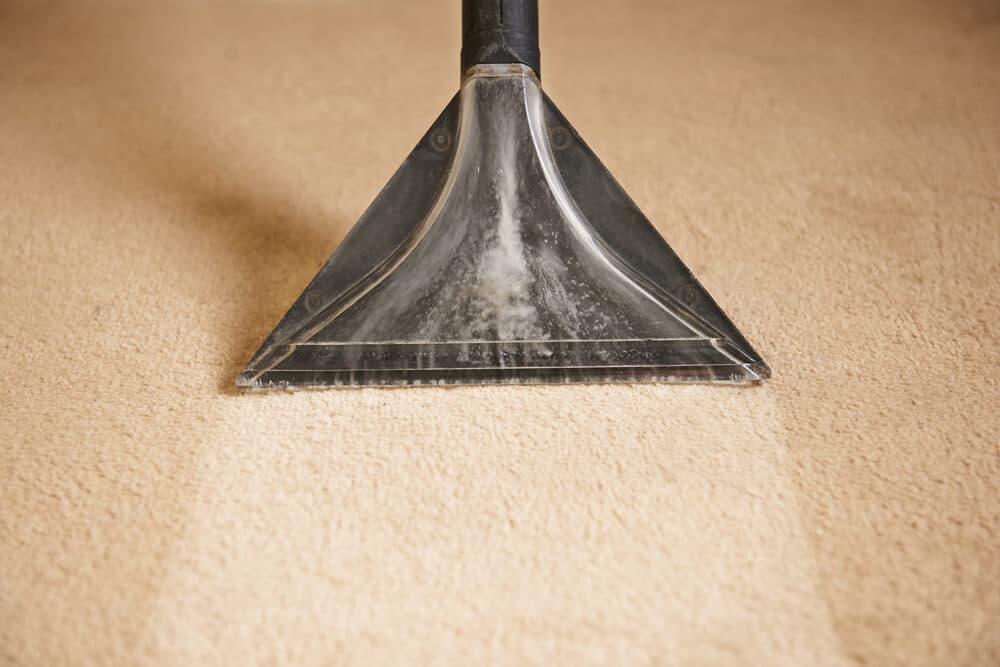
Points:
[[506, 278]]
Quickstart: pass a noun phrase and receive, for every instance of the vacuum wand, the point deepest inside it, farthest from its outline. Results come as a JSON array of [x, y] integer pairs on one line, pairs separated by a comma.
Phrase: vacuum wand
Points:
[[500, 32]]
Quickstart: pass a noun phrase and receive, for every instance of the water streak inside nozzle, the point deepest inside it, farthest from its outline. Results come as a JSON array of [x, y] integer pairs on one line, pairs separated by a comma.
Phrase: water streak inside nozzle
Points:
[[502, 257]]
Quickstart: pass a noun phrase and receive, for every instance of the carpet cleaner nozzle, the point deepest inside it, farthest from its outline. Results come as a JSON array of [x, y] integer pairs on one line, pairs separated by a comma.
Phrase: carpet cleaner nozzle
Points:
[[502, 251]]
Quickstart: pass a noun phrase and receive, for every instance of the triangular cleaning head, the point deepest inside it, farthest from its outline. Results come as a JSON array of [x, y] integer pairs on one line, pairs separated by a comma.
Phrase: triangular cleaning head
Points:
[[502, 252]]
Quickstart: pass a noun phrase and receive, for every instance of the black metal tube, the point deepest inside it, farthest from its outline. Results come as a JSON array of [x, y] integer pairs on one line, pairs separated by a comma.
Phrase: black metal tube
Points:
[[498, 32]]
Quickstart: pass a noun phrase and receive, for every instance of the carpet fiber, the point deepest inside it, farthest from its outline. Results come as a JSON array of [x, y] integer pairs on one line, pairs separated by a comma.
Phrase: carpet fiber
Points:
[[172, 174]]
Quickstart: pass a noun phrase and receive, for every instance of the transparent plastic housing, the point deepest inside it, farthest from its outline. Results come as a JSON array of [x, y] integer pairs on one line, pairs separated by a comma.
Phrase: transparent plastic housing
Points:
[[518, 259]]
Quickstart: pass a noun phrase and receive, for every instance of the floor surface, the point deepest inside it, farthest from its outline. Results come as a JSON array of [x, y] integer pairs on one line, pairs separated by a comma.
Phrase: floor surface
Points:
[[172, 174]]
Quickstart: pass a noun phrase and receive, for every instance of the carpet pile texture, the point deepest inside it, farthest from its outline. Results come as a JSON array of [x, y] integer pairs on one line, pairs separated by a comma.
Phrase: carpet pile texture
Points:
[[172, 174]]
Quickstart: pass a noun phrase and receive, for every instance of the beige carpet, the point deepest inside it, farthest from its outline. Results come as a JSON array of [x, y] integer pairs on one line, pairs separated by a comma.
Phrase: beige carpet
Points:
[[173, 173]]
